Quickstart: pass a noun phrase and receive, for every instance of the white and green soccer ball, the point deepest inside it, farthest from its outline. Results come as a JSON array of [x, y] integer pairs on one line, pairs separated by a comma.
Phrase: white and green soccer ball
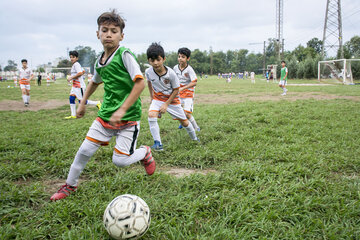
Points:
[[127, 216]]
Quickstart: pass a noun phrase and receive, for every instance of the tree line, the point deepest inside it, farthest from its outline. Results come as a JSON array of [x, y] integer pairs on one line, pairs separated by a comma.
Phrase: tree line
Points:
[[302, 61]]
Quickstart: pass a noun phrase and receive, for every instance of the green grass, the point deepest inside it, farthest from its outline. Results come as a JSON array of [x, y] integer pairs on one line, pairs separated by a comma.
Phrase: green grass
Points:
[[284, 169]]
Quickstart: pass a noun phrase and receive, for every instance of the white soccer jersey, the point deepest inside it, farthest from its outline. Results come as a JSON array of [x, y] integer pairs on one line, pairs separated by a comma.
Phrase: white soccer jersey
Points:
[[24, 75], [130, 63], [79, 82], [252, 74], [164, 85], [186, 76]]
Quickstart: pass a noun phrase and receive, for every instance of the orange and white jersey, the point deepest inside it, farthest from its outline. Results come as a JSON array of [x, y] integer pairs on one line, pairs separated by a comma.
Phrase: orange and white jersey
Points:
[[75, 69], [163, 85], [24, 75], [186, 76], [48, 78]]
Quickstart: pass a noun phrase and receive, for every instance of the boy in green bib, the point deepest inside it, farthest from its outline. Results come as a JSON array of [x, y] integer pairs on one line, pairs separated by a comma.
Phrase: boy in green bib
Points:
[[283, 77], [120, 112]]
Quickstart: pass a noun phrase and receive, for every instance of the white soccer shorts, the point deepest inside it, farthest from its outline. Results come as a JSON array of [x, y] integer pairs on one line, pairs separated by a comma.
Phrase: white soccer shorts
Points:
[[188, 104], [176, 111], [283, 82], [78, 92], [126, 139], [22, 86]]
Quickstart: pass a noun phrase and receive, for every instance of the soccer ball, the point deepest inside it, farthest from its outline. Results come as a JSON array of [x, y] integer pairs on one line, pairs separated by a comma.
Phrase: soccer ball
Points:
[[127, 216]]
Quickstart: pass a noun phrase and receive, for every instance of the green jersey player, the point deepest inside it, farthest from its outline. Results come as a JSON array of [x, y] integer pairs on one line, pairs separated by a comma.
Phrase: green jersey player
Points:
[[120, 113]]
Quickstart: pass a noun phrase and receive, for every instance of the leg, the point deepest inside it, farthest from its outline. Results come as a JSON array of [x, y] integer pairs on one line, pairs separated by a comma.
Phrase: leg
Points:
[[153, 124], [125, 152], [188, 108], [177, 112]]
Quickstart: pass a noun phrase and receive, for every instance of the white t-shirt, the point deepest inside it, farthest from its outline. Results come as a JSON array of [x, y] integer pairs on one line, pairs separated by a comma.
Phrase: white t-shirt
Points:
[[24, 75], [79, 82], [163, 85]]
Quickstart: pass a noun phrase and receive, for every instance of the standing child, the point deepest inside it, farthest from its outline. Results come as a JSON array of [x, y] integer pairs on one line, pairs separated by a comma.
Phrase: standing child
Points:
[[25, 76], [188, 80], [120, 114], [78, 85], [252, 76], [48, 79], [15, 80], [283, 78], [164, 89]]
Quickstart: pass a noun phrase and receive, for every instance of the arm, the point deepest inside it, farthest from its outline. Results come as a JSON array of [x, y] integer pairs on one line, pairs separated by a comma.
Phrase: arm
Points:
[[130, 100], [79, 74], [165, 105], [89, 91], [150, 90], [190, 85]]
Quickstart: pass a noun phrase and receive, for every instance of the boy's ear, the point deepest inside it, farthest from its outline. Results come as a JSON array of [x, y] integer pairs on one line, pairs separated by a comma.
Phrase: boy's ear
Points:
[[164, 59], [122, 36], [97, 34]]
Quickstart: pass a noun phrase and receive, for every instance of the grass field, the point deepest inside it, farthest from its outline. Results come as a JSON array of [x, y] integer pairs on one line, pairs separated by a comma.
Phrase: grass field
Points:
[[268, 167]]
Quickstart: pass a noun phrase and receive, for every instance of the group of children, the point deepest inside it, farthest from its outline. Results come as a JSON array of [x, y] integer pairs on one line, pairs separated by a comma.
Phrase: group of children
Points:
[[171, 90], [120, 112]]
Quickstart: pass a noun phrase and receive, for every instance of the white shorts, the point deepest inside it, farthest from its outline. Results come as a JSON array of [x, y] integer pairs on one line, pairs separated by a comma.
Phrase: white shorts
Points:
[[188, 104], [176, 111], [78, 92], [283, 82], [27, 87], [126, 139]]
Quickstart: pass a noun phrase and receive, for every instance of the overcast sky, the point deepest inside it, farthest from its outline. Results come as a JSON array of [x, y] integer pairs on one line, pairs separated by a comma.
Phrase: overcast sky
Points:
[[42, 30]]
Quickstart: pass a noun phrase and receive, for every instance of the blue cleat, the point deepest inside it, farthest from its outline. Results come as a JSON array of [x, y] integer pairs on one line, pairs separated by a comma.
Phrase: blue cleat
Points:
[[180, 126], [157, 146]]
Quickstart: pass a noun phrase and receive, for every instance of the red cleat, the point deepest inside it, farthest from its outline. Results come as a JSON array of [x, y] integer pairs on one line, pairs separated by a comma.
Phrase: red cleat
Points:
[[148, 161], [64, 191]]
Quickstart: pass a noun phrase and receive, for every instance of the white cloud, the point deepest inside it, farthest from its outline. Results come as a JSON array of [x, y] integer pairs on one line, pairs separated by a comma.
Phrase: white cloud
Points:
[[42, 30]]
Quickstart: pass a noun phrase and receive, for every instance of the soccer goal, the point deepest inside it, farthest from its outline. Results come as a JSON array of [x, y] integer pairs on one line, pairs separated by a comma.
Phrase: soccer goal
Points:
[[338, 70]]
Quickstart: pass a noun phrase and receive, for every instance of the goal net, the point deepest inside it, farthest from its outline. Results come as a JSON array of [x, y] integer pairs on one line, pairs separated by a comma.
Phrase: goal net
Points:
[[337, 71]]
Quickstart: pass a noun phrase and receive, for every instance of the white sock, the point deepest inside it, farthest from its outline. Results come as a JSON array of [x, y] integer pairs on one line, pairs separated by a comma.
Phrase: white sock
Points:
[[154, 129], [193, 122], [89, 102], [83, 155], [191, 131], [73, 109], [285, 90], [122, 160], [24, 98]]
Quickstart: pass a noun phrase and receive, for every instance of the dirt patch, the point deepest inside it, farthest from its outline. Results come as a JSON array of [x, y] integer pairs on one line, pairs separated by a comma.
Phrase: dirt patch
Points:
[[52, 186], [184, 172], [291, 96], [10, 105]]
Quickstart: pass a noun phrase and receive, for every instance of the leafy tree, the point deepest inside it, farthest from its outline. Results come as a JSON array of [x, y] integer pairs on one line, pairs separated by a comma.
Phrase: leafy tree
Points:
[[64, 63], [12, 66], [87, 57], [315, 44], [40, 69]]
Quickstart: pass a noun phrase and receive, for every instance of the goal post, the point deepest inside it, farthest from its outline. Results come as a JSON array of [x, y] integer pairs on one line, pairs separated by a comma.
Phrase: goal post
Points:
[[338, 69]]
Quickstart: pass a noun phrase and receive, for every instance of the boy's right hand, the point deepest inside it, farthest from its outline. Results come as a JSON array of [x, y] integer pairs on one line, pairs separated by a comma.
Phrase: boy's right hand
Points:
[[80, 111]]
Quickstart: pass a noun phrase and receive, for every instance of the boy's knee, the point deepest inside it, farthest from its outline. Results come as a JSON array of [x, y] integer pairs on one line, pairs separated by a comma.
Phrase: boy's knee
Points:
[[153, 114], [88, 148], [184, 123], [119, 159], [188, 115]]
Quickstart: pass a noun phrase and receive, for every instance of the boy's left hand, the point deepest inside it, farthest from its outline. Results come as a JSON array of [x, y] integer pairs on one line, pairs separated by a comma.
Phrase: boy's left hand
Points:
[[163, 108], [116, 117]]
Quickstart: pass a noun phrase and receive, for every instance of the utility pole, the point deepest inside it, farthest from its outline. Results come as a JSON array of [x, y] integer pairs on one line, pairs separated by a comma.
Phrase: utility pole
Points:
[[332, 35], [279, 26], [211, 61]]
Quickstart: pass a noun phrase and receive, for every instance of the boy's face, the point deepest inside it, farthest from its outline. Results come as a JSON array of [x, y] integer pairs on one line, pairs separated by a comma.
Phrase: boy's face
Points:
[[24, 64], [157, 63], [109, 35], [182, 59], [283, 64], [73, 59]]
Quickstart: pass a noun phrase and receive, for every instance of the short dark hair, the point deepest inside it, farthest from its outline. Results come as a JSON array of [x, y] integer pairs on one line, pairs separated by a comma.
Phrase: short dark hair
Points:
[[184, 51], [154, 51], [283, 61], [111, 17], [74, 53], [23, 60]]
